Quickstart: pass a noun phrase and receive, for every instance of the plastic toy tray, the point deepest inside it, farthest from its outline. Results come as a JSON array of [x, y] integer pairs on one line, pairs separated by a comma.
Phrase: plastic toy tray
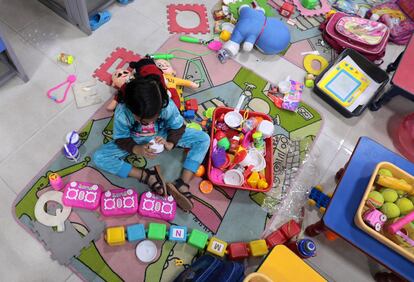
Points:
[[407, 252], [230, 133]]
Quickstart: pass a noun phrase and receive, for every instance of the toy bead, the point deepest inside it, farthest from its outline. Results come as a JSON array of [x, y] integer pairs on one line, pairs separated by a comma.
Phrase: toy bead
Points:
[[217, 247]]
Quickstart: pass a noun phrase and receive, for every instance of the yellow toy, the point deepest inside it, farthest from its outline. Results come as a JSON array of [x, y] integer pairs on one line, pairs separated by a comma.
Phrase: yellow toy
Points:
[[344, 83], [394, 183], [173, 83], [253, 179], [217, 247], [283, 265], [115, 235], [307, 63], [258, 248]]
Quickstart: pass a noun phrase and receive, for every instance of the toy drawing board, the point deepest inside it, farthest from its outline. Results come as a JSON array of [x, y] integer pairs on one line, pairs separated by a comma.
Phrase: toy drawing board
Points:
[[344, 83], [348, 84]]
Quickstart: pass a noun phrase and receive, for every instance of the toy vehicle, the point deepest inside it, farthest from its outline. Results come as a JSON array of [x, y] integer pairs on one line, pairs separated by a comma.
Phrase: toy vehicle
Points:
[[119, 202], [154, 206], [82, 195], [319, 199], [375, 219]]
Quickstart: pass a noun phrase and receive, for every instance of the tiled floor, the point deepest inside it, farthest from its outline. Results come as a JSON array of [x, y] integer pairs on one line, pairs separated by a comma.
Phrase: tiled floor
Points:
[[32, 126]]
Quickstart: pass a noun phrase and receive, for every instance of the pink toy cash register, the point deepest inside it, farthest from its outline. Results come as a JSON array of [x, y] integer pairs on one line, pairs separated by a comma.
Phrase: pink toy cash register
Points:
[[82, 195], [119, 202], [155, 206]]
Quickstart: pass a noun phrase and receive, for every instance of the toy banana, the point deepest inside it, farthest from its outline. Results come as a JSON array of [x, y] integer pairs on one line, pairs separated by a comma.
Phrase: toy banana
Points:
[[394, 183]]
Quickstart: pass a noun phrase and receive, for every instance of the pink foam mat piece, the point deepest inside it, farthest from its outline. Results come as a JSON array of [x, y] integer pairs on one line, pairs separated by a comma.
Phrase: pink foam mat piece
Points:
[[125, 56], [199, 9]]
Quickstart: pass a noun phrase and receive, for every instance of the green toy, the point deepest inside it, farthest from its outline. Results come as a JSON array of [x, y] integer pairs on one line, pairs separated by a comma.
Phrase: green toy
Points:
[[234, 7], [194, 125], [376, 199], [309, 4], [405, 206], [391, 210], [157, 231], [389, 195], [385, 172], [198, 239]]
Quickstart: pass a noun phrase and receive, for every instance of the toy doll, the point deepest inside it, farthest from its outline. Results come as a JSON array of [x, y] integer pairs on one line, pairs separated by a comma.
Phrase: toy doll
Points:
[[174, 84], [119, 78]]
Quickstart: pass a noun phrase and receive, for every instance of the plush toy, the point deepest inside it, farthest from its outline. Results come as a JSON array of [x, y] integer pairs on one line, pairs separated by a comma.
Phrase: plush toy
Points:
[[174, 84], [269, 35], [119, 78]]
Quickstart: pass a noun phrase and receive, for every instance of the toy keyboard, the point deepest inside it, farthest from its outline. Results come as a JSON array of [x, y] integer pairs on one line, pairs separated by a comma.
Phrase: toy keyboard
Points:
[[344, 83], [119, 202], [82, 195], [154, 206]]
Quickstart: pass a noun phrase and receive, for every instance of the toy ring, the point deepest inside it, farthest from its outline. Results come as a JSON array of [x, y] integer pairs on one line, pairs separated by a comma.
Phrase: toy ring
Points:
[[307, 63]]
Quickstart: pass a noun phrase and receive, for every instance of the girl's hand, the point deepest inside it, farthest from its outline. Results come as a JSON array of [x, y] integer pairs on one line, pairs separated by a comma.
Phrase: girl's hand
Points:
[[167, 145], [144, 150]]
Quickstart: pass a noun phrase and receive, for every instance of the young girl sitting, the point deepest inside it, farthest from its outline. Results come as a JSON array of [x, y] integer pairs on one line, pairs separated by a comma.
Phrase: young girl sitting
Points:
[[147, 113]]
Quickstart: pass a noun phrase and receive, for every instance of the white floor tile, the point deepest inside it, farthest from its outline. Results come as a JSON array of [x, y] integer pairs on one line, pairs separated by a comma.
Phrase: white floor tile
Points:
[[20, 13]]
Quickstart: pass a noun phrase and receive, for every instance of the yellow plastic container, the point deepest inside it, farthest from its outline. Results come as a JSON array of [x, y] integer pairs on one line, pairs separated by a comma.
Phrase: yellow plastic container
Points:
[[404, 249], [284, 265]]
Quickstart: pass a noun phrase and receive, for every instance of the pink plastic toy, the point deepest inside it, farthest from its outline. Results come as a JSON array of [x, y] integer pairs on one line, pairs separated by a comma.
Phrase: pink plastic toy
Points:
[[375, 219], [155, 206], [82, 195], [119, 202], [55, 181], [399, 224], [69, 80]]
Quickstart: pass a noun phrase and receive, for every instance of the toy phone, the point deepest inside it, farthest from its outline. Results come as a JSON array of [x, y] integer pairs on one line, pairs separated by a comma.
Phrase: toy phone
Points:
[[344, 83]]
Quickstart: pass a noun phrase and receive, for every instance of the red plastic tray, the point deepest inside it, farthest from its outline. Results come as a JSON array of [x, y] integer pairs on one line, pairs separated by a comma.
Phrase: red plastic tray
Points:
[[269, 150]]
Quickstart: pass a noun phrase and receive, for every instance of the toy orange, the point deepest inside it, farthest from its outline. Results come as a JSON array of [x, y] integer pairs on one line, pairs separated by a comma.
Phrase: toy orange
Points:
[[200, 171], [206, 186]]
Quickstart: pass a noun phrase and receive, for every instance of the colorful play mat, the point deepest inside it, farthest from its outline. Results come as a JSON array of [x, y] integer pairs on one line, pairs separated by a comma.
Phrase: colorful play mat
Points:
[[231, 215]]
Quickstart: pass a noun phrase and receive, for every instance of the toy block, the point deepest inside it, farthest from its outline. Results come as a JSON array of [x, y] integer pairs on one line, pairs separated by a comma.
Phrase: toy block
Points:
[[290, 229], [135, 232], [238, 251], [191, 104], [190, 114], [275, 238], [115, 236], [287, 10], [178, 233], [198, 239], [258, 248], [157, 231], [217, 247]]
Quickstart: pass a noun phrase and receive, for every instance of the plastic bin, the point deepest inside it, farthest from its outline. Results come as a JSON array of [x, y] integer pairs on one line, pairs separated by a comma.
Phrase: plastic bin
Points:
[[406, 251], [230, 133], [373, 71]]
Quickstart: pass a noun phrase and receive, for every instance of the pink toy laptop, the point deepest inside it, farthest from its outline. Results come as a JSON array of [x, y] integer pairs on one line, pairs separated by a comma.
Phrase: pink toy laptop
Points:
[[155, 206], [119, 202], [82, 195]]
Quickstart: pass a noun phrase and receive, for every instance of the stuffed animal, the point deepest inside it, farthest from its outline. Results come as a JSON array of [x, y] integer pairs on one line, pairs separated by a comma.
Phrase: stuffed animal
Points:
[[269, 35], [175, 84], [119, 78]]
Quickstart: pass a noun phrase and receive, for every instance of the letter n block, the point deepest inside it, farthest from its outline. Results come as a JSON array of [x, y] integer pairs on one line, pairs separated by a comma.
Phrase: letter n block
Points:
[[178, 233]]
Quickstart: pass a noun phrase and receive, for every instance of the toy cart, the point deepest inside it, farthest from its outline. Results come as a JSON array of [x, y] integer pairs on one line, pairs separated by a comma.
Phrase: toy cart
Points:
[[406, 251], [232, 132]]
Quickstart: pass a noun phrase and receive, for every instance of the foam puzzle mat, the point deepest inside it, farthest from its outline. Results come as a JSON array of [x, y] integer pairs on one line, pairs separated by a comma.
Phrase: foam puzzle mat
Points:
[[231, 215]]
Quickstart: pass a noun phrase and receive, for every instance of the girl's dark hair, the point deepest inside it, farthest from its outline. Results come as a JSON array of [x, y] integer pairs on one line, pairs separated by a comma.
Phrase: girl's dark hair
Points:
[[145, 97]]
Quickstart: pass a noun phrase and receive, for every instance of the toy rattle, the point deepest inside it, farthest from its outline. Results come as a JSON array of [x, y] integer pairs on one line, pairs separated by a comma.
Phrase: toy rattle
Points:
[[69, 80]]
